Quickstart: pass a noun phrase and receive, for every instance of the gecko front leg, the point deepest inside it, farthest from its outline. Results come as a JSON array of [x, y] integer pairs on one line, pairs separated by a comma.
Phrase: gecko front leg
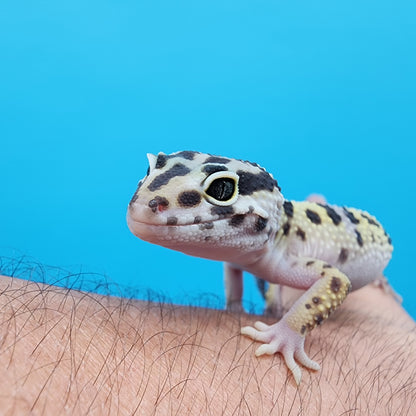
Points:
[[233, 282], [328, 290]]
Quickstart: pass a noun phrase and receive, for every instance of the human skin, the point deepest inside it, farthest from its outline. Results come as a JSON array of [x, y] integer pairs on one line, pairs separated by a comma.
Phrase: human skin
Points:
[[68, 352]]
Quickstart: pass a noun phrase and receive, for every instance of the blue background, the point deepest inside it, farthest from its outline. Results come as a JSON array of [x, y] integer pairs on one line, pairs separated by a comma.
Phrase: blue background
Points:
[[321, 93]]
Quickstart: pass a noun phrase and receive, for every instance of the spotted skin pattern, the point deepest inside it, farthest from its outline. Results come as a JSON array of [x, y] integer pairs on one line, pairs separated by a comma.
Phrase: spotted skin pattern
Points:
[[233, 211]]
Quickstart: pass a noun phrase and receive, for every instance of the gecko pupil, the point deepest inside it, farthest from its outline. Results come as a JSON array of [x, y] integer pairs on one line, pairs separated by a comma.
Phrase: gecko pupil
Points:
[[222, 189]]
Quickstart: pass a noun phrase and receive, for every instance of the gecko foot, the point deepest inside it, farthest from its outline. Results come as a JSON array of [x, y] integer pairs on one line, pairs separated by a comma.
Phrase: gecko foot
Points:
[[280, 338]]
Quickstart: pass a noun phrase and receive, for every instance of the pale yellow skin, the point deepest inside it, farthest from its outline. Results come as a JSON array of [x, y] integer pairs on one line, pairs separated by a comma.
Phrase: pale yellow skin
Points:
[[245, 222]]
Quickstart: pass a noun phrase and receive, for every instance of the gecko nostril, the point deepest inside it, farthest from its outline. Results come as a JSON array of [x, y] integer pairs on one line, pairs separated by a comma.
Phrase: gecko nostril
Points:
[[158, 203]]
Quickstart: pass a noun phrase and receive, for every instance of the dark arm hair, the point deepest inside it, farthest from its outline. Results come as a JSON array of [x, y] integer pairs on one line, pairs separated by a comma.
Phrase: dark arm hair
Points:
[[66, 351]]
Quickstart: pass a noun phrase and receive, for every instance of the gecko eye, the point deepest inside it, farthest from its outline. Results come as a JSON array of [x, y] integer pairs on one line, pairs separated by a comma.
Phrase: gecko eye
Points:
[[221, 188]]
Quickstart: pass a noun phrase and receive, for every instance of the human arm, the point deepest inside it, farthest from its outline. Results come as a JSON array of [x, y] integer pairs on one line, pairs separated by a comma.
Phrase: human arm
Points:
[[66, 351]]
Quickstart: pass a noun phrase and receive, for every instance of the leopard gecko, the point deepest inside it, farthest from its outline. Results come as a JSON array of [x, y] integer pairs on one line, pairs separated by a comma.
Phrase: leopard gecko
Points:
[[233, 211]]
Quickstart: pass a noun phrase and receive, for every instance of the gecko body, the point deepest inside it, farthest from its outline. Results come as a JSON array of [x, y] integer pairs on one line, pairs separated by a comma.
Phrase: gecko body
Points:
[[233, 211]]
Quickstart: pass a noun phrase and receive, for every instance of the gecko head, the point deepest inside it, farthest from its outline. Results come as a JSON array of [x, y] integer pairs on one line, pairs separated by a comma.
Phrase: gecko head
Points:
[[204, 205]]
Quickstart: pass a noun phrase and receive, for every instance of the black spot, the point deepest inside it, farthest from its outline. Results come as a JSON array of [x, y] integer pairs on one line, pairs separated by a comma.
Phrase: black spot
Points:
[[172, 221], [316, 300], [389, 240], [161, 161], [318, 318], [310, 263], [135, 196], [288, 208], [164, 178], [210, 169], [222, 211], [206, 226], [327, 266], [250, 209], [371, 220], [189, 199], [300, 233], [308, 306], [359, 238], [351, 216], [261, 224], [207, 238], [153, 204], [343, 256], [134, 199], [336, 284], [251, 182], [186, 154], [286, 228], [335, 217], [303, 329], [217, 159], [158, 201], [237, 220], [162, 158], [313, 216], [197, 219], [253, 164]]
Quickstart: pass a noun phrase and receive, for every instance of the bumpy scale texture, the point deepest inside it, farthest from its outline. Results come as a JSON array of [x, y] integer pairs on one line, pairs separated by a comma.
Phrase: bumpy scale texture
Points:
[[233, 211]]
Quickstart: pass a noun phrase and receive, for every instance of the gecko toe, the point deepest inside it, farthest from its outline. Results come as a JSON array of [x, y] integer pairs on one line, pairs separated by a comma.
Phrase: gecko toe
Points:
[[255, 334], [261, 326], [267, 349], [291, 364], [301, 357], [251, 332]]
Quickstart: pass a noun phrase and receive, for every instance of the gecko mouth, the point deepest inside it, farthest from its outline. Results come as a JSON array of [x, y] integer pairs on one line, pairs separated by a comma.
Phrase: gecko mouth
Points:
[[173, 222]]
